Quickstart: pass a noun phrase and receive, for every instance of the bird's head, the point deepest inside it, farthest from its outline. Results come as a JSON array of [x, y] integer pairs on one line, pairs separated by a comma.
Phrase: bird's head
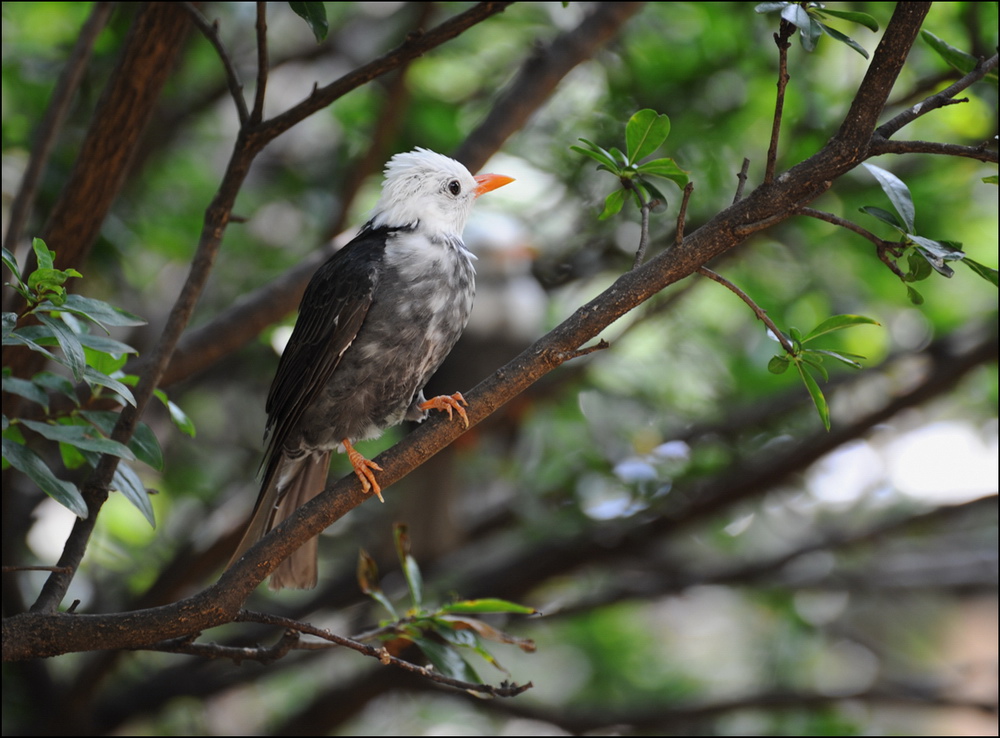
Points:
[[428, 189]]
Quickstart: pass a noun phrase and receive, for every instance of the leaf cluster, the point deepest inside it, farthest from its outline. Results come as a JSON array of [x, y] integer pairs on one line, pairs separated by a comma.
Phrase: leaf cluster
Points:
[[809, 19], [56, 324], [645, 132], [442, 633], [923, 255]]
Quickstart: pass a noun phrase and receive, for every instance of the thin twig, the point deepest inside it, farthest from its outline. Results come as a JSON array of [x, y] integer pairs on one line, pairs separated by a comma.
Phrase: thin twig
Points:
[[682, 215], [48, 130], [741, 180], [933, 102], [211, 32], [760, 312], [576, 354], [251, 616], [887, 251], [258, 97], [785, 32]]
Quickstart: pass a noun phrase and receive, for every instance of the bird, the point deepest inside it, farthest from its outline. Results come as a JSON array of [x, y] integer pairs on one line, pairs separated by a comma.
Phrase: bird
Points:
[[375, 322]]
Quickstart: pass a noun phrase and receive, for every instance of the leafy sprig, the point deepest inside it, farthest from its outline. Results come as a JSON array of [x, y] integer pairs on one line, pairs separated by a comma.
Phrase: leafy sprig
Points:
[[809, 361], [645, 132], [924, 256], [81, 434], [443, 633], [810, 19]]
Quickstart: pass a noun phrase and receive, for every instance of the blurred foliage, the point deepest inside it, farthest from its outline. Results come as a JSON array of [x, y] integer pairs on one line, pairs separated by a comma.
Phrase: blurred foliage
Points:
[[764, 613]]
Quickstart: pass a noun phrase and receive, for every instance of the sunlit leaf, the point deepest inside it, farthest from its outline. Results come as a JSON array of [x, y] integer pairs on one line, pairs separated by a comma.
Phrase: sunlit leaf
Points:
[[645, 132], [850, 15], [486, 605], [898, 194]]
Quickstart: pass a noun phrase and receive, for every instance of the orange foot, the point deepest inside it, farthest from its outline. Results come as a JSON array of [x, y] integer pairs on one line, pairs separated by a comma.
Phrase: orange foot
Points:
[[448, 403], [365, 470]]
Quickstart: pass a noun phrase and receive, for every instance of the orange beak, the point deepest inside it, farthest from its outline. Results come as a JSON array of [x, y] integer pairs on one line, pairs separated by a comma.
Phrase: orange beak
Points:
[[490, 182]]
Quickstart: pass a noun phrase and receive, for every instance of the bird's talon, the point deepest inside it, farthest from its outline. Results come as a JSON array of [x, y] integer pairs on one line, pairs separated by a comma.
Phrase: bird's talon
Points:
[[449, 404]]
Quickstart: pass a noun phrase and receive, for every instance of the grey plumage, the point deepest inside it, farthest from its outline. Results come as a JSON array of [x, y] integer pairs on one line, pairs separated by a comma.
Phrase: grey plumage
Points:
[[375, 323]]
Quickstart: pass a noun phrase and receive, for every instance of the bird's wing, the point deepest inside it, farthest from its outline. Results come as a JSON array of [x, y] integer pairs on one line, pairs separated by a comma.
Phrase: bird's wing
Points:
[[333, 308]]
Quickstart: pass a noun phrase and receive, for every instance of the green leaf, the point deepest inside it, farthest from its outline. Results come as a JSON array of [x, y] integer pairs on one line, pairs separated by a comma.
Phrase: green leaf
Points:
[[32, 466], [56, 383], [918, 267], [835, 34], [885, 216], [598, 154], [314, 14], [414, 581], [26, 389], [849, 15], [645, 132], [44, 258], [126, 481], [990, 275], [97, 311], [898, 194], [484, 630], [93, 377], [11, 263], [69, 343], [486, 605], [956, 58], [367, 573], [778, 364], [179, 417], [665, 169], [841, 357], [837, 323], [613, 204], [992, 179], [81, 436], [915, 297], [816, 362], [446, 660], [815, 393]]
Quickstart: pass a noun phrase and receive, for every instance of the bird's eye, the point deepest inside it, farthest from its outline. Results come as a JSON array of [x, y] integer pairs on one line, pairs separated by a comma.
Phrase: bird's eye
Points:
[[454, 187]]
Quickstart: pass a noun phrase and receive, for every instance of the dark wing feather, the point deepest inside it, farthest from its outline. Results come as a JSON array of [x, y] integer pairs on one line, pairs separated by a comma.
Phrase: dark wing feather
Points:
[[331, 313]]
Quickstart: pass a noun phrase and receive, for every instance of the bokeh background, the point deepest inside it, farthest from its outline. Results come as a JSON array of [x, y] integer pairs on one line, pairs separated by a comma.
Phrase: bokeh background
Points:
[[707, 558]]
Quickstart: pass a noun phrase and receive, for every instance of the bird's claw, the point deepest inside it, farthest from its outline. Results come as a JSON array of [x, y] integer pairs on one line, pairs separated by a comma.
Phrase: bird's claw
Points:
[[448, 403], [365, 470]]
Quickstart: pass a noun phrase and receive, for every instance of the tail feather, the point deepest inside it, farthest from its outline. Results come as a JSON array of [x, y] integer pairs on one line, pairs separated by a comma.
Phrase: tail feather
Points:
[[290, 483]]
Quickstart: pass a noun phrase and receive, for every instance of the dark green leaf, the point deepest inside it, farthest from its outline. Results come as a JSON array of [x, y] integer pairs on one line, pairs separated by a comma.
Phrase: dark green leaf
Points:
[[83, 437], [126, 481], [990, 275], [835, 34], [957, 58], [313, 14], [32, 466], [56, 383], [11, 263], [915, 297], [918, 268], [645, 133], [93, 377], [849, 15], [885, 216], [447, 660], [816, 362], [26, 389], [69, 343], [9, 323], [992, 179], [778, 364], [898, 194], [99, 312], [598, 154]]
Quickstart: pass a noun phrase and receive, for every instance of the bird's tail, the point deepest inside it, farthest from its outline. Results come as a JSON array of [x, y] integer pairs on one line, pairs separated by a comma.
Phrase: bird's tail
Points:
[[289, 484]]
